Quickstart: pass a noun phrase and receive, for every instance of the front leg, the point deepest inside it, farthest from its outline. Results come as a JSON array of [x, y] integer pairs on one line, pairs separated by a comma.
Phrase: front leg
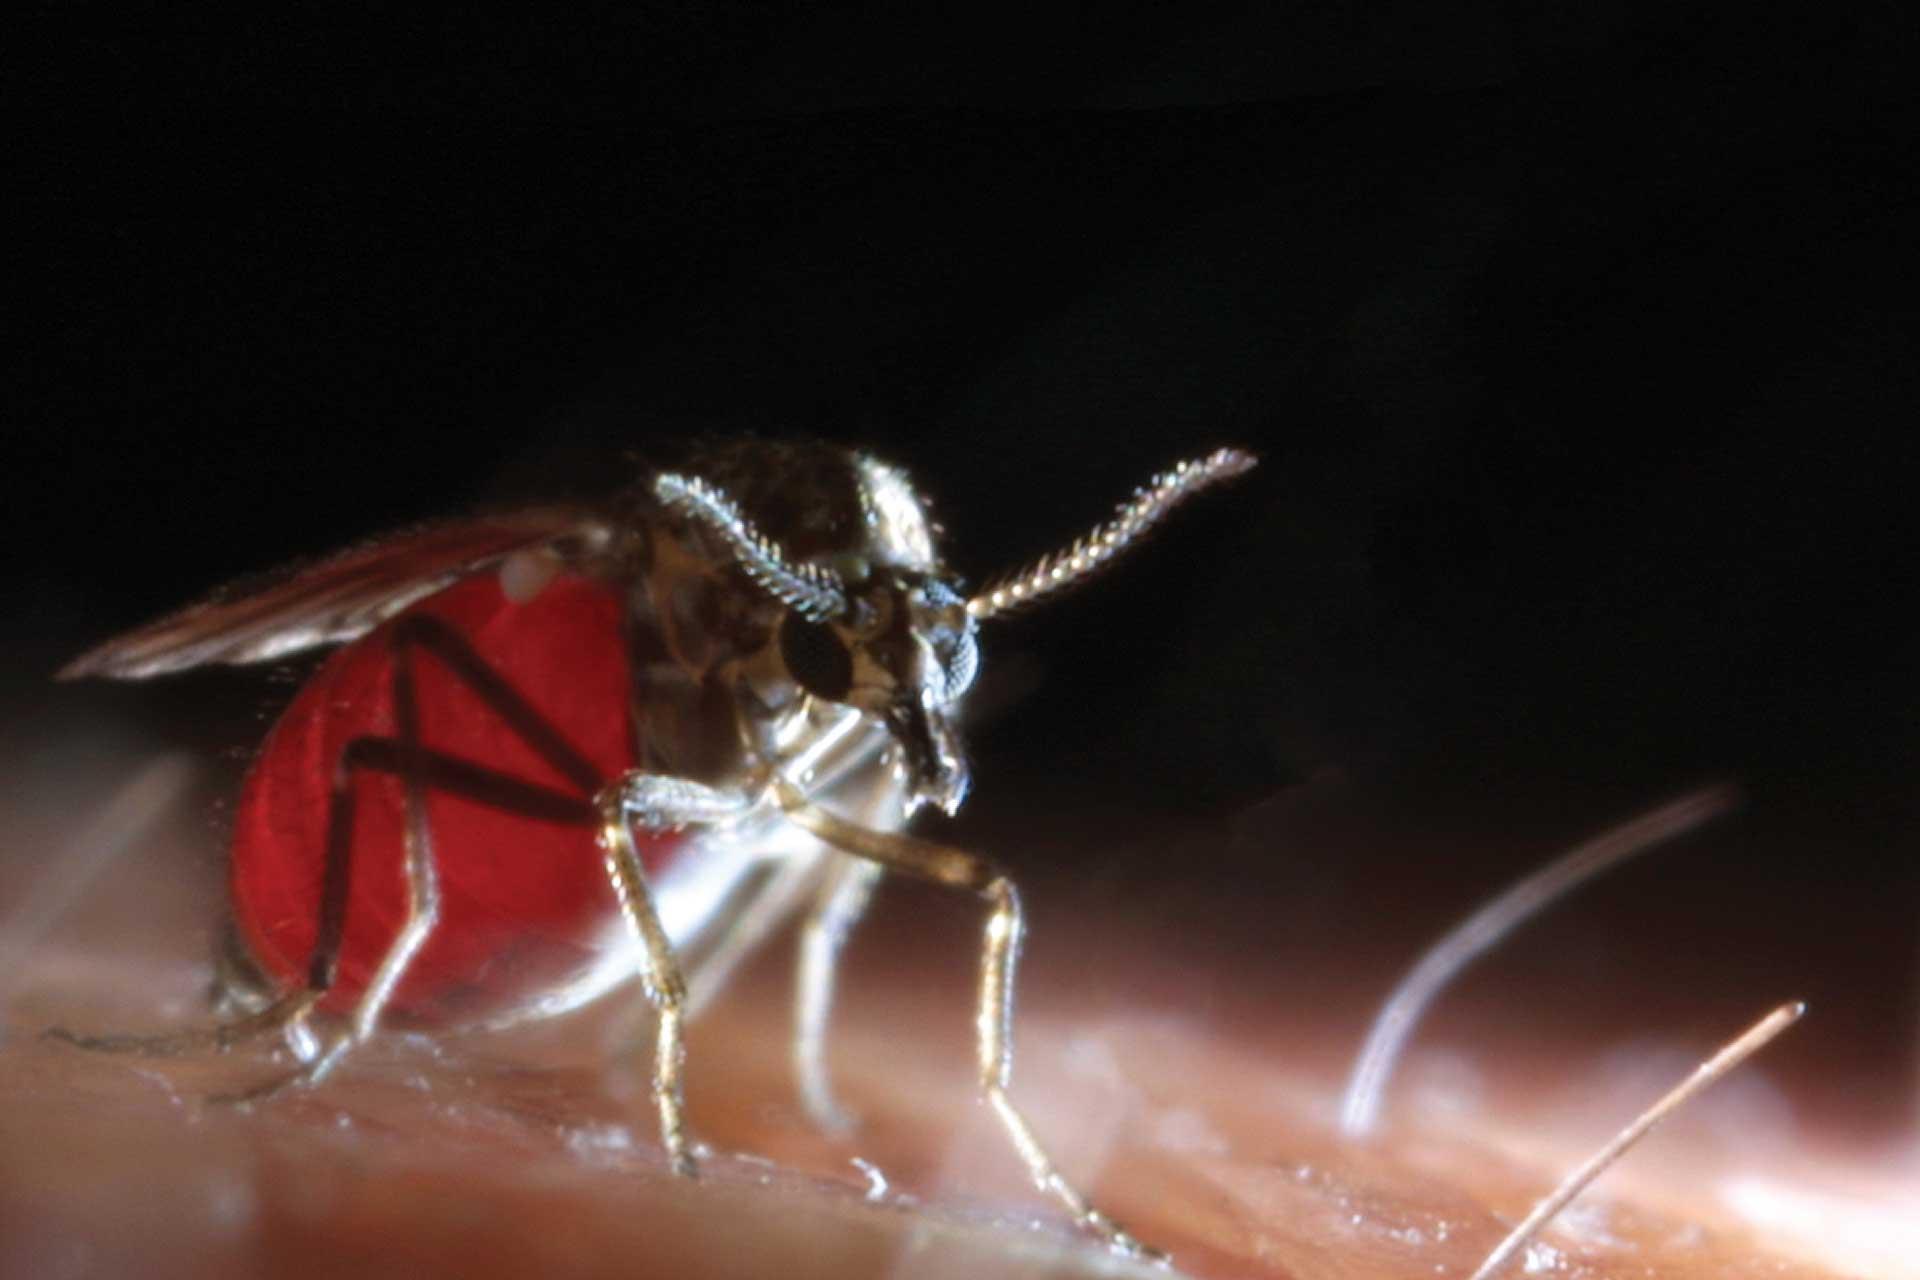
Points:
[[659, 803], [1000, 950]]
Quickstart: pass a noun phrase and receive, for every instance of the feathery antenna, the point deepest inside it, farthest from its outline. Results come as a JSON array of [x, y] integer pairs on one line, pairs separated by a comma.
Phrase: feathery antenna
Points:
[[1055, 573], [816, 594]]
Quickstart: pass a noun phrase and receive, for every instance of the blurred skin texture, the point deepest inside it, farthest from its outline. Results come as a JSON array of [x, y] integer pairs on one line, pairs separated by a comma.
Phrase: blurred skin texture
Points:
[[1182, 1055]]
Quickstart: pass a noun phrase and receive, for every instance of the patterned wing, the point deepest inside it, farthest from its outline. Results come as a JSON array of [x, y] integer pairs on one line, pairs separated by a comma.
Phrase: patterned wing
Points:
[[339, 598]]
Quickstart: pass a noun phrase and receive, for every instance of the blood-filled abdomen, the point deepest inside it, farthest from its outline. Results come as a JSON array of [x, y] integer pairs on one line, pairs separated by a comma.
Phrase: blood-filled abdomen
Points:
[[525, 902]]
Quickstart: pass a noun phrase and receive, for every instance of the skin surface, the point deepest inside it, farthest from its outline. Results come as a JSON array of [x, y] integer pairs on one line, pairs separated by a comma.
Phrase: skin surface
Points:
[[1184, 1076]]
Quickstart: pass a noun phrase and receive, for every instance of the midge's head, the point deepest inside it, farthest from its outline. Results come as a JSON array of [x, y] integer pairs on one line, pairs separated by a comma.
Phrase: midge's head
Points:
[[873, 619]]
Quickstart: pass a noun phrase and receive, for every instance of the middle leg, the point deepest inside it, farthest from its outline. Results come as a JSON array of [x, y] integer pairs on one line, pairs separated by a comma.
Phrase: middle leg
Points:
[[999, 954], [422, 883], [841, 902]]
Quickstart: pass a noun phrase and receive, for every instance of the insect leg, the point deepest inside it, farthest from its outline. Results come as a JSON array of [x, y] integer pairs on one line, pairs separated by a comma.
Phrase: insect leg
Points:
[[277, 1016], [841, 902], [422, 880], [770, 906], [421, 769], [418, 769], [428, 768], [666, 989], [1000, 949]]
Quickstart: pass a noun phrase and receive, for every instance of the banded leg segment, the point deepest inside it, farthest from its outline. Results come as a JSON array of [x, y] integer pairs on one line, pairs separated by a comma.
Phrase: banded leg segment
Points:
[[422, 770], [666, 989], [999, 956]]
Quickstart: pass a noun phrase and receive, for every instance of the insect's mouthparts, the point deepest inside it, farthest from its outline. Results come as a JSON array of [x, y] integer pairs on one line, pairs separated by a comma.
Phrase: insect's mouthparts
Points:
[[936, 763]]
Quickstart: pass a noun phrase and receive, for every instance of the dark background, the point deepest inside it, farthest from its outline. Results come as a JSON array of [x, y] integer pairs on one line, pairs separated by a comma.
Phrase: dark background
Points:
[[1579, 342]]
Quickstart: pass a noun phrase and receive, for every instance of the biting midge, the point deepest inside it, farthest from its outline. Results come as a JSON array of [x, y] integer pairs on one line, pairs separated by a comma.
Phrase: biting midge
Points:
[[567, 746]]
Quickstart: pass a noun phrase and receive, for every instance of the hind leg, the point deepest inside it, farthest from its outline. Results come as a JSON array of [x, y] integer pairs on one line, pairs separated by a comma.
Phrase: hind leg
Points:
[[290, 1010], [287, 1011], [421, 770]]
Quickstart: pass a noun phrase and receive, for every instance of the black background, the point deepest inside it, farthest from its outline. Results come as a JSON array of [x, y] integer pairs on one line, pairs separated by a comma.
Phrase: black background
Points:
[[1579, 342]]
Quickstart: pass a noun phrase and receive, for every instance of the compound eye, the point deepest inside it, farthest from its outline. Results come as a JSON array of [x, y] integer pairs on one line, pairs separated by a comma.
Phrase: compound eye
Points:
[[816, 658], [959, 661], [940, 616]]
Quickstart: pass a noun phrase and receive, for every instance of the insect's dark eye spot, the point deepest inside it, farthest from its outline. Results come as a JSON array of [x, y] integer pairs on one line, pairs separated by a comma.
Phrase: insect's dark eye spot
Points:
[[816, 658]]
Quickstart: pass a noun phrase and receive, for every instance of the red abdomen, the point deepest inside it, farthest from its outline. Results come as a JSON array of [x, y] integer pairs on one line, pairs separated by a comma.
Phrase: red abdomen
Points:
[[525, 902]]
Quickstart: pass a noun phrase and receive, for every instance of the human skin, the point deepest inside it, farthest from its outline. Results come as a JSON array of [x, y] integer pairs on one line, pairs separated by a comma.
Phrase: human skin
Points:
[[1181, 1055]]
